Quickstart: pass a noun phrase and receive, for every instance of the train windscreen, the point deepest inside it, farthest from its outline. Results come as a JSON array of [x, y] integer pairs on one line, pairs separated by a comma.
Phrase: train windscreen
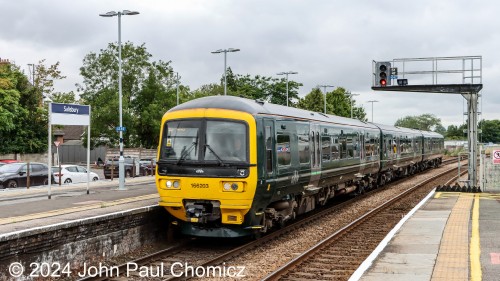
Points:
[[204, 140]]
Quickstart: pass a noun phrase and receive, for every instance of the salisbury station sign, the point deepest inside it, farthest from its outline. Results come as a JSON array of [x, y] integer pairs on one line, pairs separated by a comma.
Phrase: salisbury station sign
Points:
[[70, 114]]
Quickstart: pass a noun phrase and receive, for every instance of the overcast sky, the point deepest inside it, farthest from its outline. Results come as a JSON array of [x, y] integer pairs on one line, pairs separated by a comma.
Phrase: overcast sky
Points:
[[326, 42]]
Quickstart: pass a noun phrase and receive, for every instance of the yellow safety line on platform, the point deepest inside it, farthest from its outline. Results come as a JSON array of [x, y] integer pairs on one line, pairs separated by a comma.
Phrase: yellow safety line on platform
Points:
[[452, 262], [475, 245], [103, 204]]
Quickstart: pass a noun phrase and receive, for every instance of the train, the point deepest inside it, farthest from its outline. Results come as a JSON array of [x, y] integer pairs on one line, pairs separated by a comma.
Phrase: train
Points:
[[233, 167]]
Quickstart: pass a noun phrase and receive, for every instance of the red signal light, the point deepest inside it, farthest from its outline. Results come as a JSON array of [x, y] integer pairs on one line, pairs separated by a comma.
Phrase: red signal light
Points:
[[383, 82]]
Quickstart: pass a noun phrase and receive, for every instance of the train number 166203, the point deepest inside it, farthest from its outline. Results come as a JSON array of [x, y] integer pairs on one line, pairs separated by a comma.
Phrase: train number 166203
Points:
[[199, 185]]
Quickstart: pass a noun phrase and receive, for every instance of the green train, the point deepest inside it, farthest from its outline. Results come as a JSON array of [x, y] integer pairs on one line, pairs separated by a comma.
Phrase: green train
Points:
[[231, 167]]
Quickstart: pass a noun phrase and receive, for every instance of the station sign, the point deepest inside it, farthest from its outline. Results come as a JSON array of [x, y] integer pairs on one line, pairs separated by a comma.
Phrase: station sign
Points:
[[121, 129], [496, 157], [69, 114]]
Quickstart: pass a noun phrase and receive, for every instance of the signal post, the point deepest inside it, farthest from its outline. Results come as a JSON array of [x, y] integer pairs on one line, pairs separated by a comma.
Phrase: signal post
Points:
[[468, 68]]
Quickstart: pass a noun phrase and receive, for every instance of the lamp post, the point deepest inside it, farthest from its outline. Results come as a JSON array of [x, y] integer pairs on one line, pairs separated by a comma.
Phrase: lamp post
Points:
[[287, 73], [372, 101], [121, 160], [225, 51], [350, 96], [177, 86], [324, 89]]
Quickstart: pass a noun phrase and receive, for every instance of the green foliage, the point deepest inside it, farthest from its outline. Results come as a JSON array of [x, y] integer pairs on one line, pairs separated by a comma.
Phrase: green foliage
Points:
[[23, 117], [456, 132], [424, 122], [490, 131], [314, 101], [148, 91], [338, 102]]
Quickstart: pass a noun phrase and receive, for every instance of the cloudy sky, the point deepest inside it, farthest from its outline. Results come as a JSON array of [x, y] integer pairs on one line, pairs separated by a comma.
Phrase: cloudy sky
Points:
[[325, 41]]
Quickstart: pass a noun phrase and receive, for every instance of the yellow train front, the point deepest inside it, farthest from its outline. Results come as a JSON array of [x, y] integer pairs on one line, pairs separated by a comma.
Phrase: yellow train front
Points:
[[207, 169]]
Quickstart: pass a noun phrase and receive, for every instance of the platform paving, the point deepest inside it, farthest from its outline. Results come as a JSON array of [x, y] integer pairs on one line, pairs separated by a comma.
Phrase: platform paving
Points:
[[453, 236], [30, 208]]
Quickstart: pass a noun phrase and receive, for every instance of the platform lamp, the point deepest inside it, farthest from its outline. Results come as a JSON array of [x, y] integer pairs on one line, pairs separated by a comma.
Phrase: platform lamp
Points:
[[372, 101], [287, 73], [121, 161], [225, 51]]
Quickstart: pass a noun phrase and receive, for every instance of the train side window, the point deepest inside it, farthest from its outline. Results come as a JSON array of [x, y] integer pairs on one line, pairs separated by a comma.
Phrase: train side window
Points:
[[283, 147], [269, 150], [335, 148], [313, 139], [304, 153], [325, 148], [350, 147], [343, 147]]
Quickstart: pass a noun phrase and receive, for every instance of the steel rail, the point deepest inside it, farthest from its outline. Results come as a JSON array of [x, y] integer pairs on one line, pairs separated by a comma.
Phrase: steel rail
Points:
[[325, 242]]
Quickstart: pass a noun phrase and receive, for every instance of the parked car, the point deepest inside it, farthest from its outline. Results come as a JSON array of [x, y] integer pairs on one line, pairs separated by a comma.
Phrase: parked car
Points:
[[147, 167], [73, 174], [8, 161], [131, 165], [16, 174]]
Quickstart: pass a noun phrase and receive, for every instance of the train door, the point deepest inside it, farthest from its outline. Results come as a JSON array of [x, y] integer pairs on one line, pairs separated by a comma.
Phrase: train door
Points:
[[315, 154], [270, 158]]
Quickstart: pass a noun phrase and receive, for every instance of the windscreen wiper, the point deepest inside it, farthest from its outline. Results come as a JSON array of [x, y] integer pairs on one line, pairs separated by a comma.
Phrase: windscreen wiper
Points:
[[216, 156], [186, 152]]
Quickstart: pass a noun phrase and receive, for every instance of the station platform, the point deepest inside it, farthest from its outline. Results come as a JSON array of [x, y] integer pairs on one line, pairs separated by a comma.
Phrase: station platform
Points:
[[449, 236], [24, 209]]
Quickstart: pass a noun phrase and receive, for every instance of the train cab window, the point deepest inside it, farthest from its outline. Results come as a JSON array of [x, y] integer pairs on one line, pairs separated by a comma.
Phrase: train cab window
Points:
[[325, 148], [227, 140], [283, 147], [181, 139]]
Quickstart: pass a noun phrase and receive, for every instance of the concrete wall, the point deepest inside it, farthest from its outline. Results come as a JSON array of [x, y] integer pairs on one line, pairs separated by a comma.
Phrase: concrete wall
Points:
[[90, 240], [26, 157]]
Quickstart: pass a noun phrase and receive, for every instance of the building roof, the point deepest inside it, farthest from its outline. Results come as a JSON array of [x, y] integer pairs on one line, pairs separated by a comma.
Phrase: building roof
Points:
[[71, 132]]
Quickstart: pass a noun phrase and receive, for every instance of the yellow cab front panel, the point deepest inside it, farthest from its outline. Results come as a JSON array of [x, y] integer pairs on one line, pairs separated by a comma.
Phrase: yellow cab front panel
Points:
[[206, 172]]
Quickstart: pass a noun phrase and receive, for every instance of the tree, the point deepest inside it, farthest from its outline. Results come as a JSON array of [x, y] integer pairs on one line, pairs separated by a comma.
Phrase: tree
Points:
[[456, 132], [338, 102], [425, 122], [312, 101], [148, 91], [490, 131], [23, 117]]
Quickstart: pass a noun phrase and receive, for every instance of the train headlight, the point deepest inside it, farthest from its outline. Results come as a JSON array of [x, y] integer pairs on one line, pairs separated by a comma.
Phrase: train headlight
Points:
[[233, 186], [169, 184], [176, 184]]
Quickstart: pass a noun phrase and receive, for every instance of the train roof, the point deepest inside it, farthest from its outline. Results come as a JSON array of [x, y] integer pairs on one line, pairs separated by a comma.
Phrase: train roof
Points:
[[258, 107], [407, 130]]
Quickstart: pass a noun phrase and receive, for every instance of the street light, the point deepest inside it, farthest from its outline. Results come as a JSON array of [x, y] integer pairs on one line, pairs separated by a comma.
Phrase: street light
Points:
[[287, 73], [372, 101], [177, 86], [225, 51], [324, 89], [121, 160], [350, 96]]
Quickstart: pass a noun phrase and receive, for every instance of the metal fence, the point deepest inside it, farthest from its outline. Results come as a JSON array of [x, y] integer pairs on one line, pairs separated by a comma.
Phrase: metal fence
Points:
[[74, 154], [489, 172]]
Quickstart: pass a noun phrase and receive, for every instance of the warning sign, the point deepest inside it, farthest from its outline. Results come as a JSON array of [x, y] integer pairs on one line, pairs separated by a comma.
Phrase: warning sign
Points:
[[496, 156]]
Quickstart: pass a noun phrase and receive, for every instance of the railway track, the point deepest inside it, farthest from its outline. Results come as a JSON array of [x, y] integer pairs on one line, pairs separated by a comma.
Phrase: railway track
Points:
[[194, 255], [340, 254]]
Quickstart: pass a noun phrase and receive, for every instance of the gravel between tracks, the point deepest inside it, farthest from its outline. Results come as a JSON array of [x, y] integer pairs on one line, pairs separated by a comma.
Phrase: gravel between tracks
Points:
[[260, 262]]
